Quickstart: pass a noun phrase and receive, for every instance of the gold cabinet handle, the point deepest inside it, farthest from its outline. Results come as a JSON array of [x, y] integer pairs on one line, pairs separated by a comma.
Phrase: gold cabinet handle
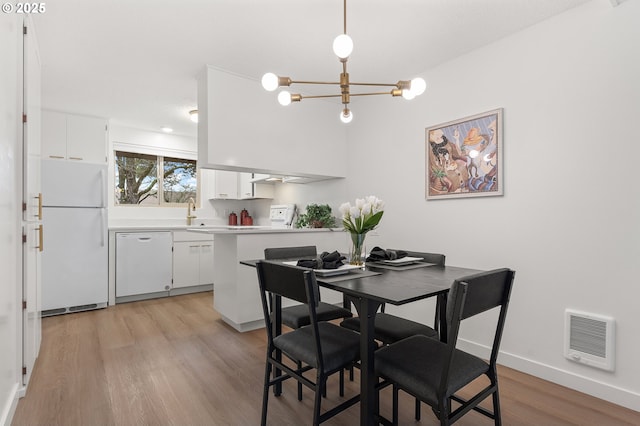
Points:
[[39, 215], [56, 156], [40, 236], [75, 158]]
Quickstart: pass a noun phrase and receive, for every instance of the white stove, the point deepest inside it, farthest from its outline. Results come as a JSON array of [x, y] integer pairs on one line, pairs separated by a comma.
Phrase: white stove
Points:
[[281, 215]]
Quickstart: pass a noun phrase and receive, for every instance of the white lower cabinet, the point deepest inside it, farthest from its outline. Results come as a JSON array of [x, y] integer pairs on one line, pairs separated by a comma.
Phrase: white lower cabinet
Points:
[[192, 259]]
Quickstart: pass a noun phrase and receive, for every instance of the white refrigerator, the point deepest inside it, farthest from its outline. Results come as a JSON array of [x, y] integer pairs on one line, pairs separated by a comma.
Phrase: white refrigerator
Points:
[[75, 256]]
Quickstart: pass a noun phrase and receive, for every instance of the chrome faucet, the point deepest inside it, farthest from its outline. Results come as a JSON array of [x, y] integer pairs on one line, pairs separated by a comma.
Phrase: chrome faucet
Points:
[[191, 207]]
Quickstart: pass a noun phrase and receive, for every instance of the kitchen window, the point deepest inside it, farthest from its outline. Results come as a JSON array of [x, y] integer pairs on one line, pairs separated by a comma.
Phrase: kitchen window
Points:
[[153, 180]]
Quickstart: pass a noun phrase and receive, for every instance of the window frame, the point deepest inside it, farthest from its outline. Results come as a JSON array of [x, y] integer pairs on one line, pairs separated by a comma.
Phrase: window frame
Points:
[[160, 161]]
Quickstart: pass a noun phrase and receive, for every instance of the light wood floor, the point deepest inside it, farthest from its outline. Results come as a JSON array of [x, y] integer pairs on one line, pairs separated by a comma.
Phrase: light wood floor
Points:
[[173, 361]]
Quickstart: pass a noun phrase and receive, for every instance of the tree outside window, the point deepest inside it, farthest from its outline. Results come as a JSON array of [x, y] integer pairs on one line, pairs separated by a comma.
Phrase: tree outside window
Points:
[[143, 179]]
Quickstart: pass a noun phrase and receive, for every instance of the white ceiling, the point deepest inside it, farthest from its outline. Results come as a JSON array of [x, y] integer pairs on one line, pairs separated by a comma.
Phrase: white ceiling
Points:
[[135, 61]]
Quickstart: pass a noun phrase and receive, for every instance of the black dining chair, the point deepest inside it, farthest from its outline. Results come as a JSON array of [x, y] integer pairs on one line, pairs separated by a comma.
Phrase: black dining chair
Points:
[[434, 371], [320, 345], [298, 315]]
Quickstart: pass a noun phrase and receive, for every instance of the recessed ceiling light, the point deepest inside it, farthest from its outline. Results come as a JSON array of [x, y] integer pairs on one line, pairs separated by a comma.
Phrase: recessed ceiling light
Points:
[[193, 114], [166, 129]]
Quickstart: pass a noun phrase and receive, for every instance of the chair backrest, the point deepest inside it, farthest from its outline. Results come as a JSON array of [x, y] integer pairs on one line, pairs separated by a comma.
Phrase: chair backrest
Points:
[[474, 294], [436, 258], [292, 282], [289, 252]]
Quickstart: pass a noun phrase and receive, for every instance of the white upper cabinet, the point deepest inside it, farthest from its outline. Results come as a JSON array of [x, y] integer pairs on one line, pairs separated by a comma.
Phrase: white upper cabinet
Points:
[[250, 190], [74, 137], [226, 185], [221, 184]]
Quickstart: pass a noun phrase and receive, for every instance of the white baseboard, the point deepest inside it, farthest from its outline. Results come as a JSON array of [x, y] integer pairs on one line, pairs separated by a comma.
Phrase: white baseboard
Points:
[[605, 391], [6, 416]]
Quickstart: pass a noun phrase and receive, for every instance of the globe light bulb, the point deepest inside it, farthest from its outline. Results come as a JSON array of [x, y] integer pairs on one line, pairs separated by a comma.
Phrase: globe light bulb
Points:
[[270, 82], [346, 115], [284, 98], [408, 94], [418, 86], [342, 46]]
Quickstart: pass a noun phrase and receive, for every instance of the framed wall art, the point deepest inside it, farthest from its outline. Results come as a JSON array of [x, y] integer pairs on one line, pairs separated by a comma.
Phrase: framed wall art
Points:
[[464, 157]]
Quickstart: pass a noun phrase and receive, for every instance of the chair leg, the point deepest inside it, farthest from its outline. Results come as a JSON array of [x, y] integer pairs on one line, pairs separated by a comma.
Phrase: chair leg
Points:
[[341, 382], [265, 394], [394, 419], [320, 390], [445, 411], [497, 418], [417, 409], [299, 365], [351, 373]]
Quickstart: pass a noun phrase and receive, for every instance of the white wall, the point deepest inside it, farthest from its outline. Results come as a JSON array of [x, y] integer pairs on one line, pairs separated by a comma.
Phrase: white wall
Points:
[[567, 222], [10, 81]]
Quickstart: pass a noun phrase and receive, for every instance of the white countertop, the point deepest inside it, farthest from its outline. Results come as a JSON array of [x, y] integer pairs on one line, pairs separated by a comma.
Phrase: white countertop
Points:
[[256, 230]]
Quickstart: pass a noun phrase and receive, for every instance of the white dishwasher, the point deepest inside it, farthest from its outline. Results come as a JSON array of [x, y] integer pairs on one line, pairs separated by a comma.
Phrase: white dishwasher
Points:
[[143, 262]]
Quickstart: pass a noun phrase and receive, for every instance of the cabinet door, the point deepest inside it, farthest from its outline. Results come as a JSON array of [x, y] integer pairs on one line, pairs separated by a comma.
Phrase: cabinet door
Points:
[[226, 185], [245, 185], [86, 139], [54, 135], [206, 263], [250, 190], [186, 264]]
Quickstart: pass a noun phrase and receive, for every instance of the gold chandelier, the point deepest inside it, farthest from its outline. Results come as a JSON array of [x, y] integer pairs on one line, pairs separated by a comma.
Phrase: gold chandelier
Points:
[[342, 47]]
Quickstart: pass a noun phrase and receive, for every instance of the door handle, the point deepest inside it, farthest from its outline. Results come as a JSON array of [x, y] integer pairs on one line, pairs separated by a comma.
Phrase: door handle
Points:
[[40, 247], [39, 197]]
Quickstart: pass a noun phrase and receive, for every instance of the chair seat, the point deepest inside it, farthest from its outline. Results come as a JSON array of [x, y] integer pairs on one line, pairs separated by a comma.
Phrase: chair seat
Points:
[[298, 316], [339, 346], [390, 328], [398, 362]]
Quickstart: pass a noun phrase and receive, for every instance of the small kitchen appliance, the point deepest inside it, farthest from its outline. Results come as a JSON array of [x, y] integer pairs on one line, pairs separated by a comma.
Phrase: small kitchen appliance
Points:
[[281, 215]]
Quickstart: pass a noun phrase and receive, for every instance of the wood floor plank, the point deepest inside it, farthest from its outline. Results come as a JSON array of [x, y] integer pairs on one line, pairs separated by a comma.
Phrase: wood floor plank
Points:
[[173, 361]]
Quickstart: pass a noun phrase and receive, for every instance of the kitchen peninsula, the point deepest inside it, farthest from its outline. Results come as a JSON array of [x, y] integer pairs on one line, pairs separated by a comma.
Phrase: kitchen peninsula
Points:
[[236, 294]]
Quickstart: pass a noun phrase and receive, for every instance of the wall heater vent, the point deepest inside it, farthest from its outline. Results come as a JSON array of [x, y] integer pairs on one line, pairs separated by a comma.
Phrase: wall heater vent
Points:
[[590, 339]]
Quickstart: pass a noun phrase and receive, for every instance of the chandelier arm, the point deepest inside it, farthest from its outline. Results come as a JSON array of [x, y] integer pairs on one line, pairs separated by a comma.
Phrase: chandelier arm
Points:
[[314, 82], [371, 94], [374, 84], [319, 96], [337, 96]]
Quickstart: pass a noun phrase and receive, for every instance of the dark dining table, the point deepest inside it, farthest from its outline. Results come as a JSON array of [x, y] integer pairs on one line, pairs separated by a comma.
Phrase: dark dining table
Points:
[[388, 286]]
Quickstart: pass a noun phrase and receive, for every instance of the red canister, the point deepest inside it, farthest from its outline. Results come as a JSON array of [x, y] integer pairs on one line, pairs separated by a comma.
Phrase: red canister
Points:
[[233, 219]]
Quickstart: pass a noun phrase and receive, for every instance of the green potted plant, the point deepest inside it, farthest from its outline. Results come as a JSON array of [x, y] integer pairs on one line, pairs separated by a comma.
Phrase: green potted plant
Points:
[[316, 216]]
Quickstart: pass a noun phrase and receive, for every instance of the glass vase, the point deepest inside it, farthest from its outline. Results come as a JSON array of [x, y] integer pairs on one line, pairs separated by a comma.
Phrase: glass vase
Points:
[[356, 256]]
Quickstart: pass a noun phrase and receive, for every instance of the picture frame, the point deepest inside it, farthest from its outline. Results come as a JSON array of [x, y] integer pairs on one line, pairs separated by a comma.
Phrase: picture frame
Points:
[[463, 158]]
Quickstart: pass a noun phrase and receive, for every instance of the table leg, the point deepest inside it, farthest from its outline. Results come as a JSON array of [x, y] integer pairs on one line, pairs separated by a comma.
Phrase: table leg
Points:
[[442, 308], [367, 312]]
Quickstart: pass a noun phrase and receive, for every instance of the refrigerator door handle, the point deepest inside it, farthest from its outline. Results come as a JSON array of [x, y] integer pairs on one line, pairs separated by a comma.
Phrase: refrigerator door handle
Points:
[[103, 186], [103, 226]]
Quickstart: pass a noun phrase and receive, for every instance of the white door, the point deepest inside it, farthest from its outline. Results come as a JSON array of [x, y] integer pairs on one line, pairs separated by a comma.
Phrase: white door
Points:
[[186, 264], [32, 202]]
